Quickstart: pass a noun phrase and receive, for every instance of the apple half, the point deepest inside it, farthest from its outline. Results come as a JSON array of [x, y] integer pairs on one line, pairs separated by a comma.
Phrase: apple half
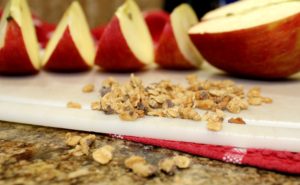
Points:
[[126, 43], [260, 43], [156, 21], [71, 47], [19, 50], [175, 49]]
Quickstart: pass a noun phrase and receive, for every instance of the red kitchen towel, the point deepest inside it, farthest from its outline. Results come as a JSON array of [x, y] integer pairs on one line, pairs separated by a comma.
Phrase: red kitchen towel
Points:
[[281, 161]]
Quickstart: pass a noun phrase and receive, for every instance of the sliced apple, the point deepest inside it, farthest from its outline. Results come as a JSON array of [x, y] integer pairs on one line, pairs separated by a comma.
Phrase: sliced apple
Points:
[[175, 49], [44, 31], [19, 51], [156, 21], [240, 7], [261, 43], [126, 43], [71, 48], [98, 32]]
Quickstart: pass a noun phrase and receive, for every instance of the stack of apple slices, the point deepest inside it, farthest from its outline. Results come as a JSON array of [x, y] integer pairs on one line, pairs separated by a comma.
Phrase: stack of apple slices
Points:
[[71, 47], [126, 43], [257, 40], [19, 50], [175, 49]]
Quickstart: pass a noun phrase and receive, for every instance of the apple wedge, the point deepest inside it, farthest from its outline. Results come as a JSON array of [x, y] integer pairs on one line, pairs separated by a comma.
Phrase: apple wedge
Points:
[[19, 50], [175, 49], [71, 47], [126, 43], [156, 21], [98, 32], [258, 43]]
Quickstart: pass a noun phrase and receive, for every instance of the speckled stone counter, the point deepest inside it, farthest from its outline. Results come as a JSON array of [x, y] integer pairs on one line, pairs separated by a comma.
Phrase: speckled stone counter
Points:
[[38, 155]]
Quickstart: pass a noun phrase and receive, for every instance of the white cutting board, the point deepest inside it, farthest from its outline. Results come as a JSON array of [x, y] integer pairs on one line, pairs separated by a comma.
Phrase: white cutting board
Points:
[[42, 99]]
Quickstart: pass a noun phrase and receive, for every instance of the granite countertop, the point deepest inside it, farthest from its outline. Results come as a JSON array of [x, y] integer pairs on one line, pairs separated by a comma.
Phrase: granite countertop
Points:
[[38, 155]]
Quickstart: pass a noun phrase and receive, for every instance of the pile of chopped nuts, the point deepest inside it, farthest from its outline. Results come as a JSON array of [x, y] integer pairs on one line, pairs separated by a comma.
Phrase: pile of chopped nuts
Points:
[[134, 100]]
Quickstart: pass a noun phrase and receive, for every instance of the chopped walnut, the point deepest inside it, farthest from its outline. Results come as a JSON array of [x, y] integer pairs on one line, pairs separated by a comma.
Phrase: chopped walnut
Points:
[[167, 165], [88, 88], [96, 105], [86, 142], [73, 105], [214, 125], [256, 101], [234, 105], [182, 161], [139, 166], [267, 100], [103, 155], [72, 140], [236, 121], [254, 92]]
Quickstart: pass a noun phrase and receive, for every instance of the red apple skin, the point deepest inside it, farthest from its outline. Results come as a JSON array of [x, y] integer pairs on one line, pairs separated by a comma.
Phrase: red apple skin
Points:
[[43, 32], [66, 57], [98, 32], [113, 53], [265, 52], [156, 21], [14, 59], [168, 54]]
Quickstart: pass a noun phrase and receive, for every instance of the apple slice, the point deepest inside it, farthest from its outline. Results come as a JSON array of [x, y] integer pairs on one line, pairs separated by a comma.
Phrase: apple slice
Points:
[[98, 32], [156, 21], [44, 31], [239, 7], [126, 43], [71, 48], [19, 50], [260, 43], [175, 49]]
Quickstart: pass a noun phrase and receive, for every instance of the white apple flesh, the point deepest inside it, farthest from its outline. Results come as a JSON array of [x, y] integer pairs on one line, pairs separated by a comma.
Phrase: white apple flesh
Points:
[[261, 43]]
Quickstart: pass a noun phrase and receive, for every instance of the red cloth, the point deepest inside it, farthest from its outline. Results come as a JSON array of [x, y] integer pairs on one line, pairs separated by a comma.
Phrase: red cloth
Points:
[[281, 161]]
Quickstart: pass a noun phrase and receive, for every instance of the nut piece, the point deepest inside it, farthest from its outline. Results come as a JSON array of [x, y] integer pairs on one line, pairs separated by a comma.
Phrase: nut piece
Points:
[[236, 121], [86, 142], [144, 170], [88, 88], [128, 116], [103, 155], [256, 101], [72, 140], [139, 166], [96, 105], [73, 105], [129, 162], [167, 165], [214, 125], [182, 162]]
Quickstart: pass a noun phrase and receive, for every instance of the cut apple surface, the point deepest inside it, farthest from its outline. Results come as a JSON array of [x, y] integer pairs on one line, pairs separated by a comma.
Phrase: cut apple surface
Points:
[[261, 43], [240, 7], [71, 47], [19, 51], [175, 49], [98, 32], [126, 43], [156, 21]]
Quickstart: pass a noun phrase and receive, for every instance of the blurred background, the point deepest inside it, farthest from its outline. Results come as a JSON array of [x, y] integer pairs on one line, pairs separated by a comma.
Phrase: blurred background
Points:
[[100, 12]]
